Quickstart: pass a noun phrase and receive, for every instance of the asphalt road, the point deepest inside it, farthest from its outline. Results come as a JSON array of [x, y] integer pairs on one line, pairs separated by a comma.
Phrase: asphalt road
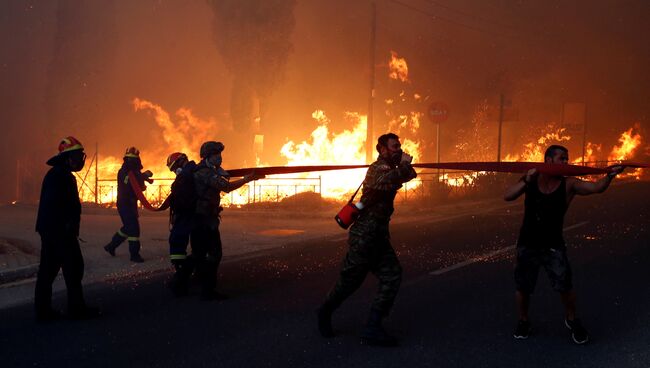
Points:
[[455, 308]]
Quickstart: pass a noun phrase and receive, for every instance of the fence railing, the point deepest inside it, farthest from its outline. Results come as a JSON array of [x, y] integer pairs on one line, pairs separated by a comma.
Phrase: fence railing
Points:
[[265, 190]]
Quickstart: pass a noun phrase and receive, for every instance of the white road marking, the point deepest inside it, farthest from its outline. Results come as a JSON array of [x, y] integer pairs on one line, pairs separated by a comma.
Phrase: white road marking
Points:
[[489, 255]]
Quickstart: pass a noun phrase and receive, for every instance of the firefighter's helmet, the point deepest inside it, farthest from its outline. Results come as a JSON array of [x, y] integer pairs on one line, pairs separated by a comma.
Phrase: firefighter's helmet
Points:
[[210, 148], [132, 152], [69, 143], [174, 158]]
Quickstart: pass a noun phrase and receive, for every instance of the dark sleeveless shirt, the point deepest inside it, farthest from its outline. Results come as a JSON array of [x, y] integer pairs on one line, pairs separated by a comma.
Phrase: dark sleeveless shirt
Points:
[[543, 218]]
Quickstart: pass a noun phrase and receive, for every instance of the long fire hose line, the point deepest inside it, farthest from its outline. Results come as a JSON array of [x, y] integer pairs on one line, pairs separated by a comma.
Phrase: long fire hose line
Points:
[[504, 167]]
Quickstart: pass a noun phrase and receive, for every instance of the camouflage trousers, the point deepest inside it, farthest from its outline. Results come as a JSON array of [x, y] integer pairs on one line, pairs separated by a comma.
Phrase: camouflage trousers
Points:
[[365, 255]]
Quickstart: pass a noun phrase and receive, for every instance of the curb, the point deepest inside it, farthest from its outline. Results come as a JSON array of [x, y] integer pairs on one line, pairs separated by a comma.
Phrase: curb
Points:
[[19, 273]]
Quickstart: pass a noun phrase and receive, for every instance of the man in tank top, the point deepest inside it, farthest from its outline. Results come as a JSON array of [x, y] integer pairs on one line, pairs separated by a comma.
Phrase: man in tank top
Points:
[[541, 242]]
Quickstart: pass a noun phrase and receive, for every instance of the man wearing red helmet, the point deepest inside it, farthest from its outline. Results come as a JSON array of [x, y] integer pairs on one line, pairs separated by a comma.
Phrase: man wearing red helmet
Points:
[[181, 217], [127, 205], [59, 215]]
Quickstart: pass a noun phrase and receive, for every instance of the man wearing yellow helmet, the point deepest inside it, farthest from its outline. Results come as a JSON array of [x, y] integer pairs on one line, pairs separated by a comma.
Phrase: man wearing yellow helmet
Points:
[[127, 205]]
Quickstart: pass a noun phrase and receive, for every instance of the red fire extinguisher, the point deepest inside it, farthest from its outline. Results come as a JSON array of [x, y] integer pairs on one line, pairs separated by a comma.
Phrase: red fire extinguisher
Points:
[[349, 213]]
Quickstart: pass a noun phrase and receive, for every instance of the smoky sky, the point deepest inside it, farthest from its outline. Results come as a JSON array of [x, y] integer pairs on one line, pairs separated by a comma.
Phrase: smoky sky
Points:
[[72, 67], [254, 39]]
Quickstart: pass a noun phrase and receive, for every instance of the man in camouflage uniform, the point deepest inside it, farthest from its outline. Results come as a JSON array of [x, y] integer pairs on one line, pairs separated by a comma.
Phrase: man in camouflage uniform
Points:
[[210, 180], [369, 241]]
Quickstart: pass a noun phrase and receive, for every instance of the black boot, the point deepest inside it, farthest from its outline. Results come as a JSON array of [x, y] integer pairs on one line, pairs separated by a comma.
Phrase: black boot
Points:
[[180, 283], [134, 249], [324, 314], [115, 242], [208, 272], [374, 333]]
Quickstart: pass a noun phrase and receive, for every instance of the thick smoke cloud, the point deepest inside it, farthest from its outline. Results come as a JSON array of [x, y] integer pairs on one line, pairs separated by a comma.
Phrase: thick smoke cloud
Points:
[[254, 39]]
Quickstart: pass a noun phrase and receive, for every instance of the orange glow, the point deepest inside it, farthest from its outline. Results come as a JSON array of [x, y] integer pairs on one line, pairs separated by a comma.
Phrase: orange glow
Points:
[[347, 147], [398, 69], [534, 151], [592, 152], [629, 142]]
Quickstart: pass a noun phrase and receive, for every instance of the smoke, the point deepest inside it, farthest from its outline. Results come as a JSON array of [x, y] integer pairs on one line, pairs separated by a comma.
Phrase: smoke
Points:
[[83, 53], [253, 37]]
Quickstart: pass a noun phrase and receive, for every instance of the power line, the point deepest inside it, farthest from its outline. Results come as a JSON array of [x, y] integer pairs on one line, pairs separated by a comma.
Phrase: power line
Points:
[[435, 17], [476, 17]]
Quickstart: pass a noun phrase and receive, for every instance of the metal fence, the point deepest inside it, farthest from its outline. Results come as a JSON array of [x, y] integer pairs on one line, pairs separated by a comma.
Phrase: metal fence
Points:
[[265, 190]]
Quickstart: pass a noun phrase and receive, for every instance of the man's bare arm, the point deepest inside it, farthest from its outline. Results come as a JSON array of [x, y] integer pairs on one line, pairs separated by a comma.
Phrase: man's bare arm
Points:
[[581, 187], [519, 187]]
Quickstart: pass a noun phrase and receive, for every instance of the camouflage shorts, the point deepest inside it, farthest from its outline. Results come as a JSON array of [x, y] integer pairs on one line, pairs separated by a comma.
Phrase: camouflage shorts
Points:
[[554, 261]]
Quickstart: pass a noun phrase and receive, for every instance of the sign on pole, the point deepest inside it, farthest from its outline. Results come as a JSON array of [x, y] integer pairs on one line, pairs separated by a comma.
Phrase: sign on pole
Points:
[[438, 112]]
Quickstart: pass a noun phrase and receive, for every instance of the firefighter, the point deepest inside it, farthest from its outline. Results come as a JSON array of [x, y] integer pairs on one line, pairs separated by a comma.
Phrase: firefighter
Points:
[[59, 215], [181, 219], [210, 180], [369, 240], [127, 204]]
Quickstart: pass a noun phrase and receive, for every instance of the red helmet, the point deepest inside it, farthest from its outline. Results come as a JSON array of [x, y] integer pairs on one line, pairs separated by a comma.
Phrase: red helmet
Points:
[[70, 143], [132, 152], [174, 158]]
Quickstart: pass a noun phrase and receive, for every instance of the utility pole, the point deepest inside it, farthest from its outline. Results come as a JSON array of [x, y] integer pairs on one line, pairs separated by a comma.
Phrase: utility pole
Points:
[[500, 125], [438, 147], [370, 128], [17, 180], [584, 136], [96, 172]]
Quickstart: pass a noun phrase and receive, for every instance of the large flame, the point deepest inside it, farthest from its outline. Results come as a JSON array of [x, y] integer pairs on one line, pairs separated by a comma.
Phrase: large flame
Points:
[[534, 151], [184, 134], [629, 142], [347, 147], [398, 68]]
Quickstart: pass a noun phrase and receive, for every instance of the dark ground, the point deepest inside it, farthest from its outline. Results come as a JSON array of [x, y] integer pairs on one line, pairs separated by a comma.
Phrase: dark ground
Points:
[[461, 318]]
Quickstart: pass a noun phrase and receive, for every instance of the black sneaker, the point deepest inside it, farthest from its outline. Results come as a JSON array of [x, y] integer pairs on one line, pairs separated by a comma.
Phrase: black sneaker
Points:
[[578, 332], [522, 330]]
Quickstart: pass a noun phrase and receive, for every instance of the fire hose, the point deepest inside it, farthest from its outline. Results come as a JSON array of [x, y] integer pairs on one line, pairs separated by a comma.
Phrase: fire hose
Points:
[[504, 167]]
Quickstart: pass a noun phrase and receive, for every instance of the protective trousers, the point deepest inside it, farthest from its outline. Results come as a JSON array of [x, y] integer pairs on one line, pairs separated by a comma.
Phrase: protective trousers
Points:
[[365, 255], [207, 253], [130, 231], [179, 238], [59, 252]]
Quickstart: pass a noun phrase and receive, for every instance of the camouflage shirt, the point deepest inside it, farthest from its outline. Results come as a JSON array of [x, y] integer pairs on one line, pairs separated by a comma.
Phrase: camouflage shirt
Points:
[[380, 186], [209, 182]]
